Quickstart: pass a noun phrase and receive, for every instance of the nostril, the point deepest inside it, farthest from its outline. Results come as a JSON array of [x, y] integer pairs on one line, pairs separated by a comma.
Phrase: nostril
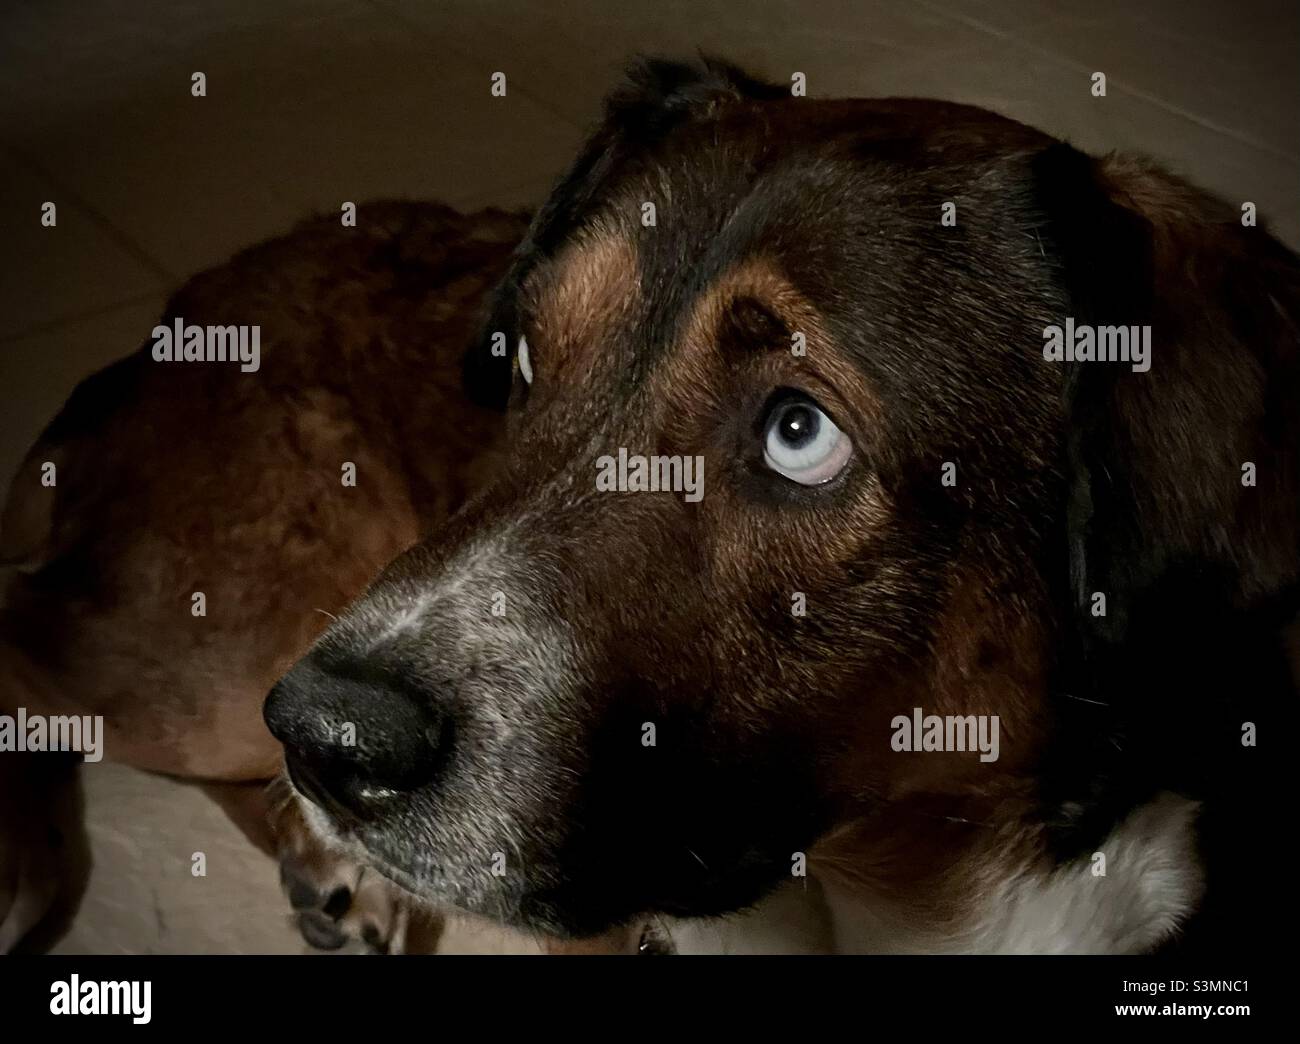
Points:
[[400, 755]]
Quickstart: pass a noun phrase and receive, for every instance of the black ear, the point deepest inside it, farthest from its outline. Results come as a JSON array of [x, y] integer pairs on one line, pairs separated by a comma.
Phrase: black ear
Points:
[[1158, 458], [1183, 502], [1106, 256], [657, 96]]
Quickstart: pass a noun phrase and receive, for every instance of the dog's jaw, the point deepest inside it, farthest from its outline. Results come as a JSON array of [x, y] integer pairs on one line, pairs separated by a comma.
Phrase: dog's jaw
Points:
[[1153, 883]]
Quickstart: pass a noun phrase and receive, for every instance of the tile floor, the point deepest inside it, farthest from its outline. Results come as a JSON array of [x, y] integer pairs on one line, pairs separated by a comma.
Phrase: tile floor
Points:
[[311, 102]]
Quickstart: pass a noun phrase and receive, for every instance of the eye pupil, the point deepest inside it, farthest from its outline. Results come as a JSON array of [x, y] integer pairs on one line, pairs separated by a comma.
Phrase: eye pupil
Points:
[[798, 425]]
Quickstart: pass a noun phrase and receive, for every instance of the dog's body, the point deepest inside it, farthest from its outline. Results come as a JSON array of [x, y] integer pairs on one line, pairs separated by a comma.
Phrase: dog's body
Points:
[[577, 710], [180, 478]]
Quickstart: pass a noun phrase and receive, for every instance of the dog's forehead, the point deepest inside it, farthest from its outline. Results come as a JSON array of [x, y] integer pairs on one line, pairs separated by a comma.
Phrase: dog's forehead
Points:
[[780, 179], [830, 215], [662, 245]]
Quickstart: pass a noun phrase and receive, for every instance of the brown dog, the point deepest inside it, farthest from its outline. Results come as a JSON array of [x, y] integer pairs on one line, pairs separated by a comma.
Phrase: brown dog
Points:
[[174, 479], [842, 651], [982, 593]]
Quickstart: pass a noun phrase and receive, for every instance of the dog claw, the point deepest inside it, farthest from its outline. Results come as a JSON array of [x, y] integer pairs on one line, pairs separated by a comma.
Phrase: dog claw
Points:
[[320, 931]]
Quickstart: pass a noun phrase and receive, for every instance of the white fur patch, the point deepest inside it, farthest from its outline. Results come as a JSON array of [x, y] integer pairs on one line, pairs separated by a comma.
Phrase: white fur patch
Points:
[[793, 920], [1152, 884]]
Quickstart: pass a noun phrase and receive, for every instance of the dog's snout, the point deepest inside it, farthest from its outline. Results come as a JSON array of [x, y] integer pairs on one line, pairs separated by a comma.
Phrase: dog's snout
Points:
[[355, 736]]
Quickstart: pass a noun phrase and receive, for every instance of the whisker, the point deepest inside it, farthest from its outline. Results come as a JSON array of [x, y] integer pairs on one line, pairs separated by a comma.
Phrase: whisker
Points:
[[1081, 699]]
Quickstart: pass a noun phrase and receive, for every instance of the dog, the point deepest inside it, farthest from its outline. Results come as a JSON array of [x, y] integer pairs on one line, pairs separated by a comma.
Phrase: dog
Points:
[[1096, 553], [966, 646]]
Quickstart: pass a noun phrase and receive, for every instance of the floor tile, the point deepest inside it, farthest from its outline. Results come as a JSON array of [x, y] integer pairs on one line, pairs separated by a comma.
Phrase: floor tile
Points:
[[302, 113], [588, 43], [71, 269], [143, 897], [1229, 67]]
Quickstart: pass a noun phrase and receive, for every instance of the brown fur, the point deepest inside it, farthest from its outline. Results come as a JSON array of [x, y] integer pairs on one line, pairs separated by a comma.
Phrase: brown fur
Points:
[[584, 297], [181, 477]]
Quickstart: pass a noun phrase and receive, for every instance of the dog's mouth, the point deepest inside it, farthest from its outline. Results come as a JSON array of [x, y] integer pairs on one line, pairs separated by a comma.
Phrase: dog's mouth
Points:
[[338, 827], [309, 787], [557, 896], [645, 935], [531, 812]]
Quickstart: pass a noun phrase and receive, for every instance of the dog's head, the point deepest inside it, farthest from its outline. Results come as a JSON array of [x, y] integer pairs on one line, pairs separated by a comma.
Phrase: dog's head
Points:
[[820, 325]]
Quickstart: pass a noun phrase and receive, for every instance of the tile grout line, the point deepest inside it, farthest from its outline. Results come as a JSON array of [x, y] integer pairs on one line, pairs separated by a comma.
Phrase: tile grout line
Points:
[[81, 317], [471, 60], [1136, 92], [120, 238]]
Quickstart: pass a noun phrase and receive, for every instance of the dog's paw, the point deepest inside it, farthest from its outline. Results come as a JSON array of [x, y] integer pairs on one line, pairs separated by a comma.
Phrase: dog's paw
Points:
[[339, 905]]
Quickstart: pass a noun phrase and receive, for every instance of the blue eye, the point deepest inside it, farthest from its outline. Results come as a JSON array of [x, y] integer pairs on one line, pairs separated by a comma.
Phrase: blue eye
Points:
[[804, 444]]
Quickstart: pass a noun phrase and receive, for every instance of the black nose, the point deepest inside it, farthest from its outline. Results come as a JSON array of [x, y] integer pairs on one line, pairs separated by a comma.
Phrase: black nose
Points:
[[356, 735]]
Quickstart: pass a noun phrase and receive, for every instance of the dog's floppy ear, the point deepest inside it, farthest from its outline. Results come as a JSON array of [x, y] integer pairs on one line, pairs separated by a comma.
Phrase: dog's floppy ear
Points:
[[1192, 464], [1183, 515], [657, 96]]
